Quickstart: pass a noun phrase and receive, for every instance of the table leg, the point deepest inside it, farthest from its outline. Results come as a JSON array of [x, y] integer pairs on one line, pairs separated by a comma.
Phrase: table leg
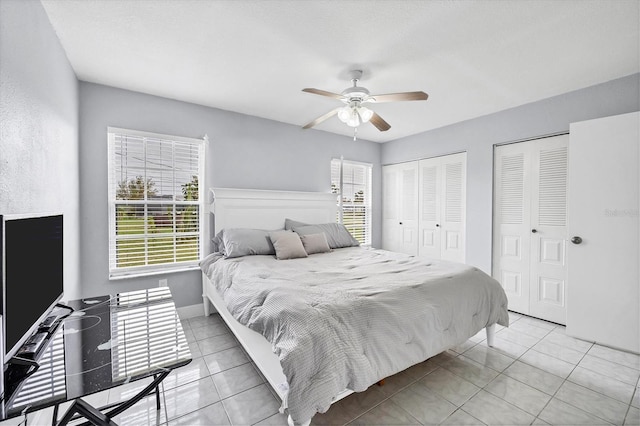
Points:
[[54, 419], [88, 412], [157, 394], [133, 400]]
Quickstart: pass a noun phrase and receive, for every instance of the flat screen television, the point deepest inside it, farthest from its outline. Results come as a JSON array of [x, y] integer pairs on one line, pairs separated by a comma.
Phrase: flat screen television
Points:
[[31, 271]]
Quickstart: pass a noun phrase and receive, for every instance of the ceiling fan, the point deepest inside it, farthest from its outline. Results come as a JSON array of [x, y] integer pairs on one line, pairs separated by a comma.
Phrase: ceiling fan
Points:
[[353, 113]]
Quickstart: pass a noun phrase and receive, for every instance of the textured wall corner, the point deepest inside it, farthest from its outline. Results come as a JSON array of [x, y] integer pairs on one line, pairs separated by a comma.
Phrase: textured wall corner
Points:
[[38, 125]]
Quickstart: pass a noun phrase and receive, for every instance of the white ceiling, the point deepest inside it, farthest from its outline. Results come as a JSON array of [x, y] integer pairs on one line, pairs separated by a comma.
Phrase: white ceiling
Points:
[[253, 56]]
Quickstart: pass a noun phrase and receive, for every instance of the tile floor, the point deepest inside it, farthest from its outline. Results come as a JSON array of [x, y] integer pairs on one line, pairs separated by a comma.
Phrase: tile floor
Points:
[[535, 374]]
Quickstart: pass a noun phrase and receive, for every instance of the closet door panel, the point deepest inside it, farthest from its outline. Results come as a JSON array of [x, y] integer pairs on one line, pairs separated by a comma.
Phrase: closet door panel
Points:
[[409, 203], [430, 183], [400, 208], [452, 222], [512, 238], [391, 208], [549, 220]]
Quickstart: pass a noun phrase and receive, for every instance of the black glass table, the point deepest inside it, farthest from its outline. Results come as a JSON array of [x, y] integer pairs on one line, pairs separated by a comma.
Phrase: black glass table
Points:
[[105, 342]]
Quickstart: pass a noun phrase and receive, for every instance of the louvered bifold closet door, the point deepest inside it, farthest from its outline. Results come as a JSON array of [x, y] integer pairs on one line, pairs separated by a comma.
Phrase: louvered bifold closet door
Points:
[[409, 212], [511, 232], [549, 219], [400, 207], [391, 208], [452, 222], [443, 207], [430, 207], [529, 229]]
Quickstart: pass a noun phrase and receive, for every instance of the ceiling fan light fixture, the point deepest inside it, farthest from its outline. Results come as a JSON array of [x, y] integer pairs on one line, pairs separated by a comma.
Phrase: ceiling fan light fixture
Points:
[[353, 116], [344, 113], [365, 114]]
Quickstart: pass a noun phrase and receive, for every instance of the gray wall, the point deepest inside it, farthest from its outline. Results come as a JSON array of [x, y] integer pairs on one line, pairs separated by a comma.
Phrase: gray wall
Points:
[[478, 136], [244, 152], [39, 126]]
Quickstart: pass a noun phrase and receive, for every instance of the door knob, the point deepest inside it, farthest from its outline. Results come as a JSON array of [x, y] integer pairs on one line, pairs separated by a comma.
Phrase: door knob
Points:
[[437, 225], [576, 240], [400, 223], [534, 231]]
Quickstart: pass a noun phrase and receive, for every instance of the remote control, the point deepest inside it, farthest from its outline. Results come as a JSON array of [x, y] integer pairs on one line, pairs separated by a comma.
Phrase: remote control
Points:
[[47, 323]]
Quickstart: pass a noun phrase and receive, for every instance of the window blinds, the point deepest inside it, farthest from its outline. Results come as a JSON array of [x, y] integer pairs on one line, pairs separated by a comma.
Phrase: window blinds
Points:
[[352, 182], [155, 201]]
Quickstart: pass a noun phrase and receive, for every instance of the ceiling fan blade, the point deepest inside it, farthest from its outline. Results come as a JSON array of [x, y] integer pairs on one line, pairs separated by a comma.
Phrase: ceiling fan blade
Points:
[[380, 124], [404, 96], [322, 118], [323, 93]]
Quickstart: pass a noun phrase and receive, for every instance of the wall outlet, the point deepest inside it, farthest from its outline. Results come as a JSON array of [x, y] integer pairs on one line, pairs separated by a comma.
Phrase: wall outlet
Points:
[[163, 283]]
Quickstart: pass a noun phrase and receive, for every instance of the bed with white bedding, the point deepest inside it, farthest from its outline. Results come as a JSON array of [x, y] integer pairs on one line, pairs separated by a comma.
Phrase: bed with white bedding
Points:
[[343, 319]]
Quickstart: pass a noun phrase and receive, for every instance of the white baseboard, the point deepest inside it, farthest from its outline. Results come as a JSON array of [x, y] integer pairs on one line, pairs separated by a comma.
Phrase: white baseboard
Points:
[[191, 311]]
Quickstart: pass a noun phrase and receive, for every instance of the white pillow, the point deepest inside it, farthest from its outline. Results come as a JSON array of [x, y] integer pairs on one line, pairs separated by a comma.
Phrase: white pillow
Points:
[[287, 245], [315, 243]]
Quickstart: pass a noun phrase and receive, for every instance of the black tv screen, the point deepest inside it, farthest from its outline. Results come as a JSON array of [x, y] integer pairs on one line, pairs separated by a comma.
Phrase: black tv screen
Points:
[[32, 274]]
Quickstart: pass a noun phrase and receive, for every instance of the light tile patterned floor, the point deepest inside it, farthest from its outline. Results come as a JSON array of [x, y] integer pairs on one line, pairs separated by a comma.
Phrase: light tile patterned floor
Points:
[[535, 374]]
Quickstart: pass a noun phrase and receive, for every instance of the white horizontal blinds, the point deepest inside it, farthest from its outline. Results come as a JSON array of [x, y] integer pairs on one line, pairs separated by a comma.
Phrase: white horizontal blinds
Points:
[[355, 199], [155, 201], [145, 333], [453, 192], [552, 204], [512, 189], [49, 381]]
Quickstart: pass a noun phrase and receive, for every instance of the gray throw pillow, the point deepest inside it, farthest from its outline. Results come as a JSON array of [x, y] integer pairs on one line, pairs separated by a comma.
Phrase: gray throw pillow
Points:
[[239, 242], [315, 243], [217, 244], [337, 235], [287, 245], [289, 224]]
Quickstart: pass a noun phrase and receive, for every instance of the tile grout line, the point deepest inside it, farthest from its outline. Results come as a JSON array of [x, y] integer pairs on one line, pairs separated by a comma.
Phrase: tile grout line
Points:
[[635, 391], [564, 379]]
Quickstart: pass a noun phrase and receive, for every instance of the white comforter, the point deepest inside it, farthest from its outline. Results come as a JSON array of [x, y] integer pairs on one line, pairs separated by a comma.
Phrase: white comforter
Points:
[[349, 318]]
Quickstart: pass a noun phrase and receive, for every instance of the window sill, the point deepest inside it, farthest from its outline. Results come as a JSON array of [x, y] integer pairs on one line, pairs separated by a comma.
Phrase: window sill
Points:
[[126, 276]]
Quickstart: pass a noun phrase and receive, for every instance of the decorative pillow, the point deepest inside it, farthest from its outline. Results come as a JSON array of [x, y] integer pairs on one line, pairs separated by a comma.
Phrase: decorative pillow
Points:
[[287, 245], [337, 235], [315, 243], [239, 242], [289, 224], [217, 244]]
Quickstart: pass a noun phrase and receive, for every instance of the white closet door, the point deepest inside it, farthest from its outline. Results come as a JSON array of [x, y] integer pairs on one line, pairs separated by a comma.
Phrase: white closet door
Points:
[[549, 221], [391, 230], [409, 206], [511, 232], [400, 208], [452, 220], [430, 206], [530, 226]]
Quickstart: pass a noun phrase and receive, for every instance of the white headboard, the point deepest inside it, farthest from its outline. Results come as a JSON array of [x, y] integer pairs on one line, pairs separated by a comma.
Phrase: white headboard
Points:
[[264, 209]]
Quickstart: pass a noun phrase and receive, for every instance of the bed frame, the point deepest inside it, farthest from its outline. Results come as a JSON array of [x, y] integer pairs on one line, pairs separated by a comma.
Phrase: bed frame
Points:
[[263, 209]]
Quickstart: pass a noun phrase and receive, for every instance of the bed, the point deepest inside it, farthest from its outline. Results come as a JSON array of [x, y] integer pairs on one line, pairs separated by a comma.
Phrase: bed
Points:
[[325, 325]]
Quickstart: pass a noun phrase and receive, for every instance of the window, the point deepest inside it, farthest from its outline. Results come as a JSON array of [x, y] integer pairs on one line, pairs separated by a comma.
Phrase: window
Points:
[[352, 180], [155, 202]]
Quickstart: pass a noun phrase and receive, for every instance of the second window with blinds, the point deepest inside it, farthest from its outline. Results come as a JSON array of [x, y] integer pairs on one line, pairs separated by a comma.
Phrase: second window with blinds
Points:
[[351, 180]]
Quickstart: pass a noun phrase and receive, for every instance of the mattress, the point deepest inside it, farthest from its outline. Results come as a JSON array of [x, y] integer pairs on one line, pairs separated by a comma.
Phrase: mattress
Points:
[[351, 317]]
